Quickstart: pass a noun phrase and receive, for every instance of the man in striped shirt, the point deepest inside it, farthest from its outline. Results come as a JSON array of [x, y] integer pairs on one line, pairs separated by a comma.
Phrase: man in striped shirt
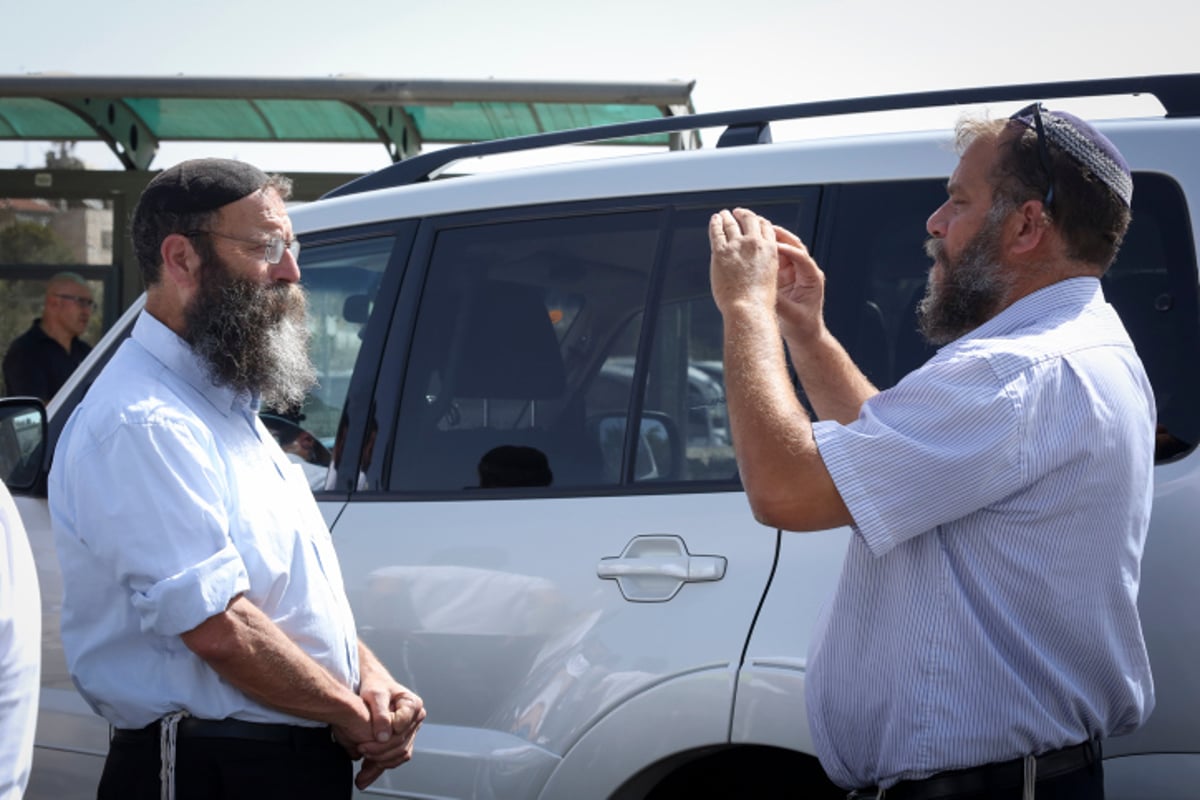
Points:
[[984, 636]]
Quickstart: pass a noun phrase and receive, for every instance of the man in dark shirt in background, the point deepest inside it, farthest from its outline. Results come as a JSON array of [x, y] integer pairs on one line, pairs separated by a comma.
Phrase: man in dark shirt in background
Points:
[[40, 360]]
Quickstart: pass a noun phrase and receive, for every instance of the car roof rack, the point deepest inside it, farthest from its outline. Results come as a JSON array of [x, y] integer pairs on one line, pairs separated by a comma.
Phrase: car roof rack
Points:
[[1178, 94]]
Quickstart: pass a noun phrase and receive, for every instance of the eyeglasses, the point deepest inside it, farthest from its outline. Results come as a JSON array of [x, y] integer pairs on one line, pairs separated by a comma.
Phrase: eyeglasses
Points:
[[82, 302], [1034, 110], [274, 246]]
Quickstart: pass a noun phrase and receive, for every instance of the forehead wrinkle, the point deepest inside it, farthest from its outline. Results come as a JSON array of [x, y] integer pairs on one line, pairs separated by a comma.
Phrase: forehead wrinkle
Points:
[[272, 213], [262, 212]]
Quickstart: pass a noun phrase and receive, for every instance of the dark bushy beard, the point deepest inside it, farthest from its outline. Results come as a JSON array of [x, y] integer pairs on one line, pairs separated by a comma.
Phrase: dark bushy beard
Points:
[[973, 285], [252, 337]]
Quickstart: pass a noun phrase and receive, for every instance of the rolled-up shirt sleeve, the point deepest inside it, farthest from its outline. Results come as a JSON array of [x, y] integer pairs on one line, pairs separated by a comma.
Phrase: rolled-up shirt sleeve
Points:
[[942, 443], [178, 563]]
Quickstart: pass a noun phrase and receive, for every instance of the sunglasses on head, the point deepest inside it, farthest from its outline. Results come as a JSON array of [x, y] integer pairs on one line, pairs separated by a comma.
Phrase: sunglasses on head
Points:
[[1033, 112]]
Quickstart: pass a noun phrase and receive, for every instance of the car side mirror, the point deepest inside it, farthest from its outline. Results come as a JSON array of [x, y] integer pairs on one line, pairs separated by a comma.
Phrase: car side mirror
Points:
[[22, 440]]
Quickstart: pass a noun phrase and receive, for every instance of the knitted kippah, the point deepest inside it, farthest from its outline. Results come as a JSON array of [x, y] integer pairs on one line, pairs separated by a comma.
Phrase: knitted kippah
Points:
[[201, 184], [1085, 145]]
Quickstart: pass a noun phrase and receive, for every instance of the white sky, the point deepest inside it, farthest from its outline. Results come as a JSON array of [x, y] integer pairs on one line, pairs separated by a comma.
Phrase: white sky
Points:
[[739, 52]]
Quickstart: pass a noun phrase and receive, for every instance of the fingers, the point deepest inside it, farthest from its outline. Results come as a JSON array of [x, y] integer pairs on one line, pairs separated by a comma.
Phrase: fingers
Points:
[[765, 229], [793, 254], [799, 254], [368, 774], [726, 225], [408, 729], [407, 712], [721, 227], [748, 222], [384, 757], [379, 704], [799, 262], [787, 237]]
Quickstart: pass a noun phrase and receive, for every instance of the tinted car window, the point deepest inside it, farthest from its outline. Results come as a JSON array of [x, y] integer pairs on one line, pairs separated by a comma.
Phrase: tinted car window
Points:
[[531, 351], [515, 320], [872, 252], [685, 386]]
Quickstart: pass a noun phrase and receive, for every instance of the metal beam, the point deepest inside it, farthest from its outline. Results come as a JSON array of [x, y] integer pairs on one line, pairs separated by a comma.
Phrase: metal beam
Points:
[[77, 184], [126, 133], [395, 128], [367, 91]]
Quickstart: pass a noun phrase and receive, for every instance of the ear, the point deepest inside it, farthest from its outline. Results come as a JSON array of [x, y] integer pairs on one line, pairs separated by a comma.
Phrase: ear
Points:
[[1030, 225], [181, 262]]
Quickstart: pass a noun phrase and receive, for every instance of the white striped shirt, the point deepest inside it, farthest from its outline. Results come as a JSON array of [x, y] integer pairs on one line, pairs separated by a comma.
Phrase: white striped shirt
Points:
[[987, 605]]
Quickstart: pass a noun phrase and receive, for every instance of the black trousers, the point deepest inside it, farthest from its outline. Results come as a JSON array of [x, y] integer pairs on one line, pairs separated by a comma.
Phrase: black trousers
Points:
[[1086, 783], [228, 769]]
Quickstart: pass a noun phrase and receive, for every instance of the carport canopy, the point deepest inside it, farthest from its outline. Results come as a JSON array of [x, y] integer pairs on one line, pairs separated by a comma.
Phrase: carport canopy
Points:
[[133, 115]]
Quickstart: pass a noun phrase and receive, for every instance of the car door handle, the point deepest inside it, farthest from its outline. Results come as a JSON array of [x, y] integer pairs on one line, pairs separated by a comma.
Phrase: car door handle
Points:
[[652, 569]]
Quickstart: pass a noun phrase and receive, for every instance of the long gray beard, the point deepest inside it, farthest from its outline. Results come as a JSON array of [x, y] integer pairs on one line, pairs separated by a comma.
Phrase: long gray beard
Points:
[[973, 286], [253, 338]]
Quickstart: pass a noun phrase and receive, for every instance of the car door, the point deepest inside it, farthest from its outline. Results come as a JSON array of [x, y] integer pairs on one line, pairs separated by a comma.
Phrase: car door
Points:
[[569, 593]]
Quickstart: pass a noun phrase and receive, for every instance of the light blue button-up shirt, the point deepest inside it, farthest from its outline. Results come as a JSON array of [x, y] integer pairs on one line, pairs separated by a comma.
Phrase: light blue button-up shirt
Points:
[[987, 605], [169, 498]]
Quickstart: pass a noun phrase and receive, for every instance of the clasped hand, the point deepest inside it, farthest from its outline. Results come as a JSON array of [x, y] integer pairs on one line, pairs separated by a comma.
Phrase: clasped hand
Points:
[[383, 738]]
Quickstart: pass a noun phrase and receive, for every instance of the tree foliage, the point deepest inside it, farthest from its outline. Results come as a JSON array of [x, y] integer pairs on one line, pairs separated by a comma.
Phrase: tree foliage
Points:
[[24, 242]]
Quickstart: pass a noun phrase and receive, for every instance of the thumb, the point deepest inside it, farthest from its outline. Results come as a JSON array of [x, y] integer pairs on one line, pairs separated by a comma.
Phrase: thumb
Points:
[[784, 236], [800, 262], [379, 704]]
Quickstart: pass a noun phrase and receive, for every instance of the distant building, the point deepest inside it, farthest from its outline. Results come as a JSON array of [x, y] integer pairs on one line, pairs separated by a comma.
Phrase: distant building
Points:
[[88, 231], [86, 228], [20, 209]]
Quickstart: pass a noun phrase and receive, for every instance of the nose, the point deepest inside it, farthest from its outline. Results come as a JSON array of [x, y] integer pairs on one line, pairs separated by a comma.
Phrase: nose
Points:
[[935, 226], [287, 270]]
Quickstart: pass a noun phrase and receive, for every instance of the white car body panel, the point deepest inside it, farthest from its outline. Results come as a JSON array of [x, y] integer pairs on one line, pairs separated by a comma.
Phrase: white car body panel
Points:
[[434, 585]]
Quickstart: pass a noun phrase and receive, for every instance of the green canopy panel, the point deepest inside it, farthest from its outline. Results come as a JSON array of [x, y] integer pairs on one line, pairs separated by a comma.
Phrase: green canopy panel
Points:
[[254, 120], [476, 122], [32, 118]]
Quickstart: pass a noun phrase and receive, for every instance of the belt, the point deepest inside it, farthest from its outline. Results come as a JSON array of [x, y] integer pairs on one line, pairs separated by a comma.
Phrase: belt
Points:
[[196, 728], [977, 780]]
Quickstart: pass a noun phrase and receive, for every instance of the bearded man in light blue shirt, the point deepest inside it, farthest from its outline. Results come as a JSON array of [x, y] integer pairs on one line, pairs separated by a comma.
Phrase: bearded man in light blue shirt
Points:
[[984, 635], [204, 614]]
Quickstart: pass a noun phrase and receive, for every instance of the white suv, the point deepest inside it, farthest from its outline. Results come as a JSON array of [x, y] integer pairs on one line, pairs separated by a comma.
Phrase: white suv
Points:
[[586, 605]]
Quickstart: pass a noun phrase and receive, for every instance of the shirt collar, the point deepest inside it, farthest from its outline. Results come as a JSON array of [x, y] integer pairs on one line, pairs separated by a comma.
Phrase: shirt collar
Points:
[[1069, 296], [178, 356]]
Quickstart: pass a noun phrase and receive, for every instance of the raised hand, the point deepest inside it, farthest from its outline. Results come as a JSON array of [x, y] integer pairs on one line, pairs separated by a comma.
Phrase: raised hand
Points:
[[800, 289], [745, 259]]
